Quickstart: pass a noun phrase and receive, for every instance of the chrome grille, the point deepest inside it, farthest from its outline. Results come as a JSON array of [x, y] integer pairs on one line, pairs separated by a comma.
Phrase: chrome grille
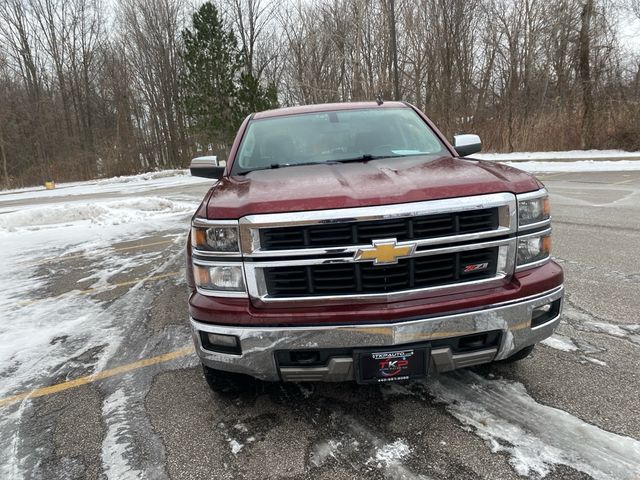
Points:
[[367, 278], [402, 229], [315, 256]]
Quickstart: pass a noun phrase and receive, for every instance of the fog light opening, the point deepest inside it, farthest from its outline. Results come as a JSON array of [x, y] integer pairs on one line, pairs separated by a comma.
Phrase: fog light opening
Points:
[[544, 313], [218, 342]]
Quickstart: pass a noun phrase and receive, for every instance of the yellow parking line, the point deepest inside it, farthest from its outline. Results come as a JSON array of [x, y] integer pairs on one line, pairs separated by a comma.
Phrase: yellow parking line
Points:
[[40, 392], [79, 255], [111, 286]]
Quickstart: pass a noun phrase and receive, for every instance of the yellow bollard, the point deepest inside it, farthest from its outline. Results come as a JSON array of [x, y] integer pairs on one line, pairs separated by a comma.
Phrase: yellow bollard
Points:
[[49, 185]]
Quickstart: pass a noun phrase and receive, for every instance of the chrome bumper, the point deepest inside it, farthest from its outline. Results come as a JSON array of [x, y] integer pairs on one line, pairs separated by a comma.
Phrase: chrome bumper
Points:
[[258, 344]]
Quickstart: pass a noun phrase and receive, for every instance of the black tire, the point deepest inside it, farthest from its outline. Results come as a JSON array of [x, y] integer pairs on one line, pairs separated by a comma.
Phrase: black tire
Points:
[[519, 355], [227, 382]]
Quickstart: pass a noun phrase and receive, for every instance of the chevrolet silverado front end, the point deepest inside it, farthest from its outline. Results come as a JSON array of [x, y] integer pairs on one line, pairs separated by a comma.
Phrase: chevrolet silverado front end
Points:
[[353, 242]]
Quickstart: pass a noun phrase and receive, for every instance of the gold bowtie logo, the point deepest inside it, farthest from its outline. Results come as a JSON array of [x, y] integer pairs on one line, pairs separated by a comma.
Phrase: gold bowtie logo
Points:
[[385, 252]]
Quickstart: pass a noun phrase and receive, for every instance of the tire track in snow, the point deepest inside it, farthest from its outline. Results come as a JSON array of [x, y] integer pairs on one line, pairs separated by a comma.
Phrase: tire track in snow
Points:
[[536, 436], [583, 321], [116, 446]]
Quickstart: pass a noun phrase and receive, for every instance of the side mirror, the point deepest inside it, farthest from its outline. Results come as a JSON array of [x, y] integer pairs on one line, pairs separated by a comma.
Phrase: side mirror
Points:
[[206, 167], [467, 144]]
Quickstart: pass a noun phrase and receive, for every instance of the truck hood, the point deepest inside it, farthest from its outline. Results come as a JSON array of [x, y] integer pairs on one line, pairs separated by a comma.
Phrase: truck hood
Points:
[[375, 182]]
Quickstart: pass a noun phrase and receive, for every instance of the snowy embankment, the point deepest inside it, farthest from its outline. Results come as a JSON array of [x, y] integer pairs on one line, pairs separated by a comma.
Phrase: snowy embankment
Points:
[[49, 235], [131, 184], [569, 161]]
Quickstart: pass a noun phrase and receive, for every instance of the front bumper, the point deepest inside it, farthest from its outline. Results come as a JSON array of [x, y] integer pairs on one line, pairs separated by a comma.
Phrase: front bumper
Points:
[[259, 344]]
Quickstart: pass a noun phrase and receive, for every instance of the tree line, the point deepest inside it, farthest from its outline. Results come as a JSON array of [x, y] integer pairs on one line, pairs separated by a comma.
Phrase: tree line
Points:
[[92, 88]]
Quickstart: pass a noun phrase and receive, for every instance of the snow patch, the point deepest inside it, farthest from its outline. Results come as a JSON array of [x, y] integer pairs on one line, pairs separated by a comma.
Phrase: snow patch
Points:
[[323, 451], [116, 445], [595, 361], [393, 452], [536, 436], [560, 342], [235, 446]]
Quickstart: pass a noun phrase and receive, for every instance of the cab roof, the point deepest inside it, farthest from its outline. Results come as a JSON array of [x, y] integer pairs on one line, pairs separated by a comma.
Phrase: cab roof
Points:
[[325, 107]]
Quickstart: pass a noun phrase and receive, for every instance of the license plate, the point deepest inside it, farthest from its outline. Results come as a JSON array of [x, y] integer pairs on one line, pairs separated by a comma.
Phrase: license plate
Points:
[[381, 366]]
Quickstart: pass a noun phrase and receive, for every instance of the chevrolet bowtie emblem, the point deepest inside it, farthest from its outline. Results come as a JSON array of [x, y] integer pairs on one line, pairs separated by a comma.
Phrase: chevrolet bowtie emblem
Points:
[[385, 252]]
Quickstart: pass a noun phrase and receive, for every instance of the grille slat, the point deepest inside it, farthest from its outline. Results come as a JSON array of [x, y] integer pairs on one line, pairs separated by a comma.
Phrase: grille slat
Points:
[[356, 233], [364, 278]]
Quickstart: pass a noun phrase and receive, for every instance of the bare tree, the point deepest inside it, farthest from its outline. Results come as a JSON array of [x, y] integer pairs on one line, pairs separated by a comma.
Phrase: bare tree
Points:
[[150, 34], [80, 99], [585, 74]]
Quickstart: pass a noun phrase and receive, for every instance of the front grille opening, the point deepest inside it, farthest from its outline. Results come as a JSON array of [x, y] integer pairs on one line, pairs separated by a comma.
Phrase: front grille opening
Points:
[[356, 233], [320, 357], [365, 277], [480, 341], [309, 358]]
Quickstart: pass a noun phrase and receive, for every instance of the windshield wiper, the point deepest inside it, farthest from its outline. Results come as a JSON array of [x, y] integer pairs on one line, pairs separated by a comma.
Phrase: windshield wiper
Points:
[[279, 165], [362, 158]]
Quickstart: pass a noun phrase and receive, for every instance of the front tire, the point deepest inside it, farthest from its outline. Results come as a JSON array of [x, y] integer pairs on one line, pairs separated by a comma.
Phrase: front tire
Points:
[[220, 381]]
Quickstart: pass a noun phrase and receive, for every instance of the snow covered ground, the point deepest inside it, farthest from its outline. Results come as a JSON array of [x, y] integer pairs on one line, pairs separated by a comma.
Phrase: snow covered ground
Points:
[[145, 182], [577, 166], [567, 155], [568, 161], [52, 332], [51, 335], [35, 233]]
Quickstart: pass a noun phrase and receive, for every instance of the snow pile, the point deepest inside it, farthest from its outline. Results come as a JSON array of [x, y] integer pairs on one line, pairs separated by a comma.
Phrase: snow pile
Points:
[[131, 184], [578, 166], [562, 155], [536, 436], [568, 161], [141, 177], [100, 213]]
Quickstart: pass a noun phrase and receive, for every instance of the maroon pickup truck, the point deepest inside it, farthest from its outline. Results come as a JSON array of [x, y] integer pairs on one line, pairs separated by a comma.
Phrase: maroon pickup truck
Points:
[[352, 242]]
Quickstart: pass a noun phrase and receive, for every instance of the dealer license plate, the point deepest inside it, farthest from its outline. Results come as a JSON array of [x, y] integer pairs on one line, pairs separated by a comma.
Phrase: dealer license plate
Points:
[[380, 366]]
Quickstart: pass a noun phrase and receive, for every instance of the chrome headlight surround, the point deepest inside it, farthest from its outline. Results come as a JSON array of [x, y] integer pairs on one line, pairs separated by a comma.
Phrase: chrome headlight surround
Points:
[[533, 246], [218, 270], [533, 250], [534, 209], [215, 237], [220, 279]]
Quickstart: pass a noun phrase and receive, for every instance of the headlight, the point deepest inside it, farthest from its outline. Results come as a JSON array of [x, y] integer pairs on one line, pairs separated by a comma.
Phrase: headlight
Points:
[[222, 278], [533, 210], [218, 238], [534, 249]]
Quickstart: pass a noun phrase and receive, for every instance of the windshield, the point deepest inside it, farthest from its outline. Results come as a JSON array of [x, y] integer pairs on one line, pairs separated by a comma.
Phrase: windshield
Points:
[[336, 136]]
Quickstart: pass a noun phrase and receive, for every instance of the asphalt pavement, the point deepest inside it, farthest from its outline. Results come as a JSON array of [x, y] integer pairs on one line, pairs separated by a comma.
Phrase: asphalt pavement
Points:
[[571, 410]]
